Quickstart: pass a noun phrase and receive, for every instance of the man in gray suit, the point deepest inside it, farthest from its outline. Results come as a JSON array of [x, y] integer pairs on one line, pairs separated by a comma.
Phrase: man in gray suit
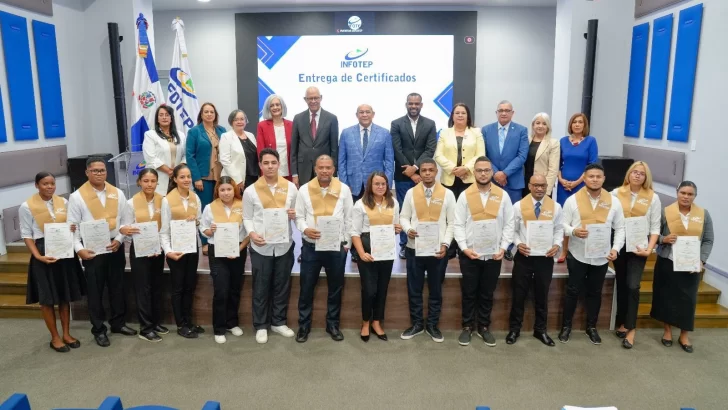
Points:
[[315, 132]]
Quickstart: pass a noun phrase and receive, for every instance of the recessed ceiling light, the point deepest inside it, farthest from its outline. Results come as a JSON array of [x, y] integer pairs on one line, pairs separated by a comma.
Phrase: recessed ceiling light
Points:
[[204, 1]]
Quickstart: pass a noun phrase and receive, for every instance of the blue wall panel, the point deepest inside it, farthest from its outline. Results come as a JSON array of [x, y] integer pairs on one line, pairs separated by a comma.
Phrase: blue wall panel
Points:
[[49, 79], [659, 69], [683, 77], [636, 85], [3, 133], [20, 77]]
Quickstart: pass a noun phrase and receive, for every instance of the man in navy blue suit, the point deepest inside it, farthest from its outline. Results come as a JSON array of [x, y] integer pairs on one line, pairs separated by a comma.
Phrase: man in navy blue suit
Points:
[[506, 144]]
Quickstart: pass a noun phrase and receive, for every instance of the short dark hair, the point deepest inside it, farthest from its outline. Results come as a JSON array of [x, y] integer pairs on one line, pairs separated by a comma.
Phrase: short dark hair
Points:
[[451, 121], [414, 95], [93, 160], [483, 158], [586, 123], [426, 161], [268, 151], [146, 171], [43, 174], [690, 184], [594, 165]]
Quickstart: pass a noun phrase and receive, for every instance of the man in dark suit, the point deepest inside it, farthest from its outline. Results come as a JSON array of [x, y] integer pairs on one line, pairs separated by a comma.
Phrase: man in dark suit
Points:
[[414, 138], [315, 132]]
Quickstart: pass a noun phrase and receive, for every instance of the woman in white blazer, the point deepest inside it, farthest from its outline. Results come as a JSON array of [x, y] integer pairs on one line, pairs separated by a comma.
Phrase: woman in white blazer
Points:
[[163, 147], [238, 151]]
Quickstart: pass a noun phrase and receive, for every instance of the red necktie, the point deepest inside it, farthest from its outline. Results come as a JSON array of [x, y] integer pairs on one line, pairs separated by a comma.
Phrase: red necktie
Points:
[[313, 126]]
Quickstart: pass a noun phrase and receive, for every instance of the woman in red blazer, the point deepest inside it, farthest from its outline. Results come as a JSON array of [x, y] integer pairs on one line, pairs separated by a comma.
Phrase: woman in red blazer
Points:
[[275, 132]]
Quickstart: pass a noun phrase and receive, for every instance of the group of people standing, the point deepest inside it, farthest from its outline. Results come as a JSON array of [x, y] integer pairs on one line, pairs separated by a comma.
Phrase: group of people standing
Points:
[[482, 206]]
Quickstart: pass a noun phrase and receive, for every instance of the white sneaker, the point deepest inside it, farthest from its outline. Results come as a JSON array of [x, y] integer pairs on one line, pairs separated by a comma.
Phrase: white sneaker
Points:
[[261, 336], [220, 339], [236, 331], [283, 330]]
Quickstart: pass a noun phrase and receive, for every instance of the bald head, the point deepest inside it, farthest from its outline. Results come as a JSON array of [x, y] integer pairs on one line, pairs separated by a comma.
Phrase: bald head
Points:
[[538, 186], [325, 169], [365, 115], [313, 99]]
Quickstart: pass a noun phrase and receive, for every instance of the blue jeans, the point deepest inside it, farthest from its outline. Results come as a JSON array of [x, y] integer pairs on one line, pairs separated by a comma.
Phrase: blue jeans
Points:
[[401, 187], [208, 188]]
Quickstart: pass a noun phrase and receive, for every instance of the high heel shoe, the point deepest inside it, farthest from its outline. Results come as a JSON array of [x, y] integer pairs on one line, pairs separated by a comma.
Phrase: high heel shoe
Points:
[[383, 336], [562, 259], [364, 338]]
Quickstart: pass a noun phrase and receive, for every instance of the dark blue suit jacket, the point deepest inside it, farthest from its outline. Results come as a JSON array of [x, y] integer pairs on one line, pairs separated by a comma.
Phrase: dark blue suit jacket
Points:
[[515, 151]]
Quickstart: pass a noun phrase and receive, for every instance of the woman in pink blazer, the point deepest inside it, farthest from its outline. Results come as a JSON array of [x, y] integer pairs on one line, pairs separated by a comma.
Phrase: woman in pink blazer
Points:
[[275, 132]]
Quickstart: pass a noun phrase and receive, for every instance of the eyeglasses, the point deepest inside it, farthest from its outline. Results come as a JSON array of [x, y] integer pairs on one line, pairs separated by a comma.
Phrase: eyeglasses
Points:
[[312, 98], [638, 173], [483, 170], [504, 111], [540, 186], [97, 171]]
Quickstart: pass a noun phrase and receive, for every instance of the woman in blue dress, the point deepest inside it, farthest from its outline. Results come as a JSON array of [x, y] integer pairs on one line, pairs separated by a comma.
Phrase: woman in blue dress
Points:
[[578, 149]]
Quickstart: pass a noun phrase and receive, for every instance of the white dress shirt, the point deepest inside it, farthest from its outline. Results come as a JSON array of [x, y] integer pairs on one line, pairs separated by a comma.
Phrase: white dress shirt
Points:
[[208, 219], [28, 227], [463, 227], [165, 232], [409, 220], [413, 124], [360, 219], [157, 152], [282, 148], [521, 233], [78, 212], [342, 211], [572, 220], [128, 217], [253, 219], [654, 212]]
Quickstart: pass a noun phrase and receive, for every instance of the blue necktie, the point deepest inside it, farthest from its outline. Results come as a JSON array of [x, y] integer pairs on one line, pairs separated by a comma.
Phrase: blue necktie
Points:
[[365, 140], [501, 137], [537, 209]]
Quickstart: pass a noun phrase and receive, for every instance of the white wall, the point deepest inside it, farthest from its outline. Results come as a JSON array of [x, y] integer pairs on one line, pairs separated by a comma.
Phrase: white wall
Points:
[[522, 38], [706, 165]]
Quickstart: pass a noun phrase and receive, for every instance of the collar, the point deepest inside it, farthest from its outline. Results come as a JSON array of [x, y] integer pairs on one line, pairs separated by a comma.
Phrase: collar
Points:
[[318, 113], [99, 190], [413, 119], [369, 128], [424, 188], [535, 201], [507, 126]]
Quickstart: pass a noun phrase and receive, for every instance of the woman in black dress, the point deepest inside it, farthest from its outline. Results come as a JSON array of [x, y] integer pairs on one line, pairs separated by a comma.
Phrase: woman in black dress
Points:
[[51, 281]]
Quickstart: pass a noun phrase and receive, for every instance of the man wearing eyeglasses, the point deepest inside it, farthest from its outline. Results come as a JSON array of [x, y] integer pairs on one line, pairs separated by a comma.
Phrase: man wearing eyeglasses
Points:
[[97, 200], [315, 133]]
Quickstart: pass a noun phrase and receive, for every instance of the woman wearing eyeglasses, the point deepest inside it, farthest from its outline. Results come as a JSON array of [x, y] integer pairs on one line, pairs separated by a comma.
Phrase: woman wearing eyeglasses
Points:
[[238, 152]]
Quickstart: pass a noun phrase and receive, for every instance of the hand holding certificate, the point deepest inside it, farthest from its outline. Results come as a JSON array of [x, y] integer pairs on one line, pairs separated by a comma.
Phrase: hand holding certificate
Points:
[[598, 241], [329, 228], [146, 242], [427, 242], [95, 236], [276, 225], [540, 237], [184, 236], [227, 243], [636, 232], [381, 238], [58, 241], [686, 254], [485, 237]]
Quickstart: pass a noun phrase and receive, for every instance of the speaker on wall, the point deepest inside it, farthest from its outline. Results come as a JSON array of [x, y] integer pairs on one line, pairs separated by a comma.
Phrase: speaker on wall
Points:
[[77, 170], [615, 168], [591, 54]]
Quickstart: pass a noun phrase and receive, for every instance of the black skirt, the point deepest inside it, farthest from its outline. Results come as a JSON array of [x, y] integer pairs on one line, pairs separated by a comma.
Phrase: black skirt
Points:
[[55, 283], [674, 296]]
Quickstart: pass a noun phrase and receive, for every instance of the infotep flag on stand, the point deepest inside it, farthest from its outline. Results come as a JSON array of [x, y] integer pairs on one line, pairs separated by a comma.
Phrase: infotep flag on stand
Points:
[[181, 90], [147, 94]]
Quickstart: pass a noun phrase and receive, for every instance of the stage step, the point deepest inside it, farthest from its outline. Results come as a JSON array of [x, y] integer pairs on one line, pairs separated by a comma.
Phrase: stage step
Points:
[[14, 262], [707, 315], [17, 247], [706, 293], [13, 283], [14, 307]]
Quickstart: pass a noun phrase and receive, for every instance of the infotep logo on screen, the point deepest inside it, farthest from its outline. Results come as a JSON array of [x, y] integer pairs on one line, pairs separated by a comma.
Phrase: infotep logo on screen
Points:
[[354, 24]]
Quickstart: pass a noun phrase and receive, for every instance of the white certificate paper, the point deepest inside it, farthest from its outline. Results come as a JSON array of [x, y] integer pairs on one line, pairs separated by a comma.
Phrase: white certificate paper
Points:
[[146, 242], [427, 242], [184, 236], [227, 240], [598, 241], [635, 229], [95, 236], [381, 239], [540, 237], [330, 229], [686, 254], [485, 237], [58, 240], [275, 225]]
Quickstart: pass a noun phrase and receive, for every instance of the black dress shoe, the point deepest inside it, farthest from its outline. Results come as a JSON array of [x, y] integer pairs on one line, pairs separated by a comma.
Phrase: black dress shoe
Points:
[[666, 343], [620, 334], [383, 336], [564, 335], [512, 337], [197, 329], [687, 348], [593, 335], [150, 336], [160, 330], [335, 333], [75, 345], [187, 333], [626, 344], [125, 330], [62, 349], [401, 253], [302, 335], [544, 338], [102, 340]]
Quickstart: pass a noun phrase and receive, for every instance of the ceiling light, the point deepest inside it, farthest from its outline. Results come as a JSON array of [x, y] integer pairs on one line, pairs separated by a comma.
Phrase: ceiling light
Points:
[[204, 1]]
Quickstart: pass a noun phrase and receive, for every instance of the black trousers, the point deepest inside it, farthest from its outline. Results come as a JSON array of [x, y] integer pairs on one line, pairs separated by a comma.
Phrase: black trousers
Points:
[[184, 281], [536, 270], [479, 281], [227, 281], [147, 275], [106, 270], [375, 278], [628, 269], [416, 268], [311, 264], [271, 280], [583, 276]]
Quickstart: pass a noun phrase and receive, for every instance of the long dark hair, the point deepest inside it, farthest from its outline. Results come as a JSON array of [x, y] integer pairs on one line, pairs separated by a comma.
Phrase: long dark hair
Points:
[[172, 125], [226, 180], [368, 197], [43, 174], [199, 115], [146, 171], [451, 122], [175, 173]]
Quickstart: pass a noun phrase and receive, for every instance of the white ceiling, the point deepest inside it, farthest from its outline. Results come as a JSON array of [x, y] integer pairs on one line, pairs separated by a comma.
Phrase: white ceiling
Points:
[[280, 4]]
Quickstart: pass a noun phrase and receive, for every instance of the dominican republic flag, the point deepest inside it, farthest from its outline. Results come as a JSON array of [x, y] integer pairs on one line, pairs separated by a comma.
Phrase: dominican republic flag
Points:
[[147, 94], [181, 90]]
